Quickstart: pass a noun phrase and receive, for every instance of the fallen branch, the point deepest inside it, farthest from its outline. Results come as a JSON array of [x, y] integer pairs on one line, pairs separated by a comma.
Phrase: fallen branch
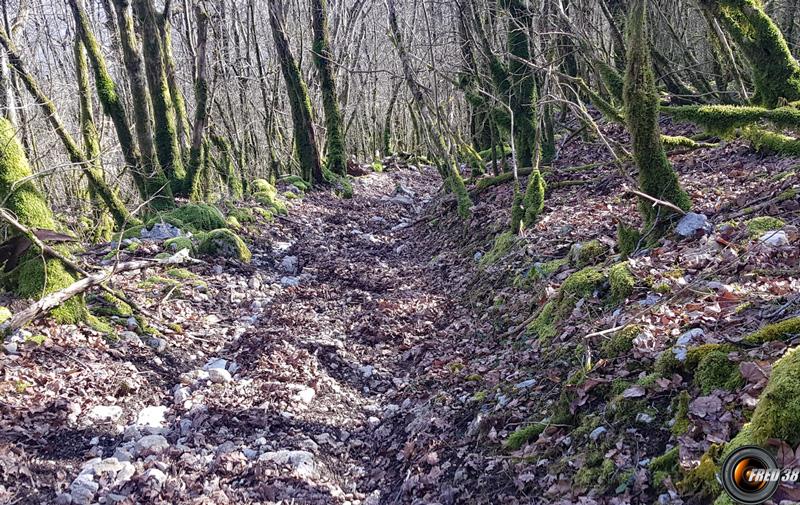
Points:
[[55, 299], [656, 201]]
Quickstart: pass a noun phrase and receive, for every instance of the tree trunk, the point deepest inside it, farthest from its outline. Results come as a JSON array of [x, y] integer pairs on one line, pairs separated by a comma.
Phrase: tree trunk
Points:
[[776, 74], [201, 107], [181, 117], [300, 103], [656, 176], [323, 56], [166, 136], [117, 208], [153, 187]]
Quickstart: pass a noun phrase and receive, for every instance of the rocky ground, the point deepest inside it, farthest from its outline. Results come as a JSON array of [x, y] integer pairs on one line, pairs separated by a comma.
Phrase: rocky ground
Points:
[[380, 350]]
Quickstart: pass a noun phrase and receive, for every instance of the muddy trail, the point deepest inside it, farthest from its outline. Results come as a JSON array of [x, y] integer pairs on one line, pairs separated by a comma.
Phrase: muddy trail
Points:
[[288, 382]]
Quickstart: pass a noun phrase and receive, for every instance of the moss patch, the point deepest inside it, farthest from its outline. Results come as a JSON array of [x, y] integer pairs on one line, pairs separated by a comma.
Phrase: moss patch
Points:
[[622, 282], [200, 216], [179, 243], [621, 342], [782, 330], [225, 243], [503, 244], [523, 435], [588, 253], [761, 225], [716, 371]]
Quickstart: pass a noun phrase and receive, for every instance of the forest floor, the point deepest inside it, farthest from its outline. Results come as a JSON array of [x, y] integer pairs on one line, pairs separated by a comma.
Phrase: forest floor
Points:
[[378, 350]]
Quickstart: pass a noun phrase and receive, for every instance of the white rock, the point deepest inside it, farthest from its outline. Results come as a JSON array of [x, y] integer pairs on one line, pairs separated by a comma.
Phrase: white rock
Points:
[[525, 384], [644, 418], [597, 433], [302, 462], [159, 344], [775, 238], [692, 223], [366, 371], [373, 421], [216, 363], [83, 489], [64, 499], [289, 264], [254, 283], [151, 444], [152, 419], [102, 413], [219, 376], [132, 323], [289, 282], [155, 475], [125, 473], [305, 395]]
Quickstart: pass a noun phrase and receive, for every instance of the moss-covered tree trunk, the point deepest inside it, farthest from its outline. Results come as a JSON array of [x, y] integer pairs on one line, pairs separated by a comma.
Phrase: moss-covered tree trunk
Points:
[[656, 176], [35, 276], [166, 133], [776, 73], [201, 108], [109, 197], [152, 184], [323, 60], [523, 85], [91, 145], [227, 168], [181, 117], [304, 136]]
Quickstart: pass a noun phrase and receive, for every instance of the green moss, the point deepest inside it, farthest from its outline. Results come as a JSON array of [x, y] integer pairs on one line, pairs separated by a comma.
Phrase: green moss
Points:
[[179, 243], [782, 330], [199, 216], [716, 371], [681, 407], [579, 285], [133, 232], [533, 202], [612, 79], [517, 211], [104, 304], [294, 180], [157, 281], [463, 201], [233, 223], [662, 288], [666, 464], [628, 239], [242, 215], [289, 195], [264, 213], [760, 225], [181, 273], [543, 327], [595, 473], [377, 166], [5, 314], [341, 183], [621, 342], [167, 218], [622, 282], [656, 176], [225, 243], [696, 354], [670, 142], [523, 435], [772, 142], [588, 253], [667, 363], [503, 244], [270, 200], [263, 186], [701, 482]]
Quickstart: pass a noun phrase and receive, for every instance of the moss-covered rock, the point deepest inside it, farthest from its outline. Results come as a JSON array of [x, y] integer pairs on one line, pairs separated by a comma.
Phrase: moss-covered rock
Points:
[[696, 354], [264, 213], [5, 314], [782, 330], [680, 423], [296, 181], [543, 327], [621, 281], [263, 185], [664, 466], [761, 225], [178, 244], [225, 243], [579, 285], [243, 215], [587, 253], [271, 202], [701, 481], [199, 216], [621, 342]]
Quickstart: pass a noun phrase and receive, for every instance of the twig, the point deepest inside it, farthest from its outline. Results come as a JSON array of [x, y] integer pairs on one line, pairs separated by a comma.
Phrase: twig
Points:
[[656, 201]]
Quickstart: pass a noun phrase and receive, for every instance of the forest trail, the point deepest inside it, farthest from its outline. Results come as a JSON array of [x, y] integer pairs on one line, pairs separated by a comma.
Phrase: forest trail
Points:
[[318, 338]]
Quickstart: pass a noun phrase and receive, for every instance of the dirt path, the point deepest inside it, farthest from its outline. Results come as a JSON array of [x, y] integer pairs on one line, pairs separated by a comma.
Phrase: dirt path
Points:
[[292, 382]]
